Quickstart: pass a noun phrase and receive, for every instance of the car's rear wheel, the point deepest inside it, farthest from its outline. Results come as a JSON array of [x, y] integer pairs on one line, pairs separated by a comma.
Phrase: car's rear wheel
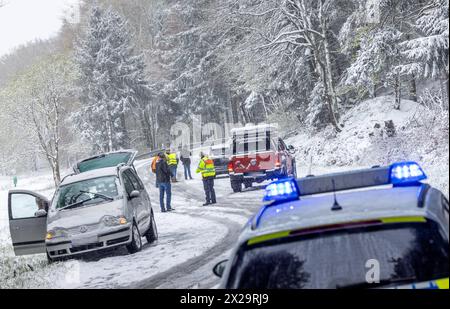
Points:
[[236, 186], [136, 241], [152, 233]]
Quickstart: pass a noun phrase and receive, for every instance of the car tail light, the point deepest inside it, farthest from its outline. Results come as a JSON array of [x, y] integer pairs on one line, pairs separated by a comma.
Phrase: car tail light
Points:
[[230, 167], [278, 162]]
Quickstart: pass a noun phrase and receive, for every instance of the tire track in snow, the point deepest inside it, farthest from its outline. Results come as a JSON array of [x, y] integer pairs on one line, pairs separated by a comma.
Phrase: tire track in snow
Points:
[[197, 272]]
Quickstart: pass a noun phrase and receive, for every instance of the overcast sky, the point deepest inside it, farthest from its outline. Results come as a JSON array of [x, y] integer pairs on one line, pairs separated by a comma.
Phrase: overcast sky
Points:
[[22, 21]]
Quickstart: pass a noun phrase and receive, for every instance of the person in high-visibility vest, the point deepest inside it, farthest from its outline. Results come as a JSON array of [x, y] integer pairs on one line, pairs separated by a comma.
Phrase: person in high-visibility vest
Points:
[[172, 161], [207, 169]]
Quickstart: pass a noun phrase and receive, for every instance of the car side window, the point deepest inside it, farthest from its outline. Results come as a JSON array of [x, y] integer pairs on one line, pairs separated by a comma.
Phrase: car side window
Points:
[[134, 180], [127, 183], [25, 206]]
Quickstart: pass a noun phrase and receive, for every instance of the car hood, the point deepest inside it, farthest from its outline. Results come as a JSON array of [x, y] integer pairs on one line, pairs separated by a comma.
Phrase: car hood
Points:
[[87, 215]]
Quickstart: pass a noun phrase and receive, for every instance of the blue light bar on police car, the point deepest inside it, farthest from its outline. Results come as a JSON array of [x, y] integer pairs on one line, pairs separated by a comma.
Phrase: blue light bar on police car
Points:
[[281, 191], [402, 173], [406, 173]]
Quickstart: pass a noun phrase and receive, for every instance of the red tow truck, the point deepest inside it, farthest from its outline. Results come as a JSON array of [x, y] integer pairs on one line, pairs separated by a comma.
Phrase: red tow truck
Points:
[[259, 154]]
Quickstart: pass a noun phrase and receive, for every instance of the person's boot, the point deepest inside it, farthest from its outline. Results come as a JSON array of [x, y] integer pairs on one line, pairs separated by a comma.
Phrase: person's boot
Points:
[[206, 204]]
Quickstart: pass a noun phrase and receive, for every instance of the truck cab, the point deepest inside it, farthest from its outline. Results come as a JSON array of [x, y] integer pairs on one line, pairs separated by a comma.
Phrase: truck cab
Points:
[[259, 154]]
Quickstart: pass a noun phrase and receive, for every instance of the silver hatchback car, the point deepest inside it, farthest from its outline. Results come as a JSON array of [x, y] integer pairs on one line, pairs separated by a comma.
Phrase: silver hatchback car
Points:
[[103, 204]]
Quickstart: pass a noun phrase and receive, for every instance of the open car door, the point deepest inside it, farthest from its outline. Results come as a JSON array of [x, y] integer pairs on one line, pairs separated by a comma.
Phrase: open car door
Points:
[[103, 160], [27, 221]]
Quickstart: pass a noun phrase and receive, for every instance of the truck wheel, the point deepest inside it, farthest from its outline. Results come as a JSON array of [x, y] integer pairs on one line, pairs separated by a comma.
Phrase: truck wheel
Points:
[[236, 186], [152, 233], [136, 241], [247, 184]]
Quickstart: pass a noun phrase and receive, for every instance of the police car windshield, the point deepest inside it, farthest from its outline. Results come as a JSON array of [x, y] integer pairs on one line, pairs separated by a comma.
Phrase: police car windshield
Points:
[[406, 253]]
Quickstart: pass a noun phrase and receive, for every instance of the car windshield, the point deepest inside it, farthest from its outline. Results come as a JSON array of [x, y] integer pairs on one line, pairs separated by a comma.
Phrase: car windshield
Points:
[[252, 142], [86, 192], [406, 253]]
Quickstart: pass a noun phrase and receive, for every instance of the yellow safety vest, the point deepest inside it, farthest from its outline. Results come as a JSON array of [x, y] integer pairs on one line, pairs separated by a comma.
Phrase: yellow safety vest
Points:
[[172, 159], [206, 167]]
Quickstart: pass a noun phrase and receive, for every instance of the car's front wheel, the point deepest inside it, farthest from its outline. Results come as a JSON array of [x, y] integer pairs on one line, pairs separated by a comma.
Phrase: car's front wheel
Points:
[[136, 241], [152, 233]]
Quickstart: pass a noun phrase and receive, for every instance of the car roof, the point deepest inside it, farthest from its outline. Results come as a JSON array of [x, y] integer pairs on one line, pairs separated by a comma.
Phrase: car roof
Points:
[[357, 205], [102, 172]]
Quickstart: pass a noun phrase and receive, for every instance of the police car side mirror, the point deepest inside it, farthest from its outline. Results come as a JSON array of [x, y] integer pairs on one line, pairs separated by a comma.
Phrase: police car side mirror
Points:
[[220, 268]]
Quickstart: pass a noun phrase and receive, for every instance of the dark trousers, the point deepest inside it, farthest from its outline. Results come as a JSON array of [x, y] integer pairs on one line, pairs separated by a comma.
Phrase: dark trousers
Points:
[[208, 185], [187, 171], [165, 188]]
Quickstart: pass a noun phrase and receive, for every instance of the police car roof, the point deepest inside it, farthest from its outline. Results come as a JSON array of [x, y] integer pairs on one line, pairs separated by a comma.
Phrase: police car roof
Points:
[[357, 205], [101, 172]]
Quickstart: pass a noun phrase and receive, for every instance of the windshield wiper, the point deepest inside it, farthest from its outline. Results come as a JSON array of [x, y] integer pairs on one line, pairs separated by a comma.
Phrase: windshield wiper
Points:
[[362, 285], [105, 197], [76, 203], [96, 195]]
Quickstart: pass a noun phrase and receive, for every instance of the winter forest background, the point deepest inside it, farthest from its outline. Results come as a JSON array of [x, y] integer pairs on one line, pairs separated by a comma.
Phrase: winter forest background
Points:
[[129, 70]]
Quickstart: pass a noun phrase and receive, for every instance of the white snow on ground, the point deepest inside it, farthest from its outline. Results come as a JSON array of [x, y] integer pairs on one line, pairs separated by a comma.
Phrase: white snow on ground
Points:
[[362, 144]]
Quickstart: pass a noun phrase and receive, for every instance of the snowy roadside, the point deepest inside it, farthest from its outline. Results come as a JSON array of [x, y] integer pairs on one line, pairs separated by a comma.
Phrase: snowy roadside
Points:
[[363, 142]]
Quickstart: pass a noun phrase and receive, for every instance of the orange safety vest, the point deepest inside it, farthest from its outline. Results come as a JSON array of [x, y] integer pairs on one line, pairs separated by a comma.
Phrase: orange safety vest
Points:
[[155, 159]]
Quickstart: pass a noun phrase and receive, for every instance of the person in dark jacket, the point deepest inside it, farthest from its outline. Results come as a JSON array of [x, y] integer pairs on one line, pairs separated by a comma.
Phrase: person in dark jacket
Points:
[[163, 177], [185, 157]]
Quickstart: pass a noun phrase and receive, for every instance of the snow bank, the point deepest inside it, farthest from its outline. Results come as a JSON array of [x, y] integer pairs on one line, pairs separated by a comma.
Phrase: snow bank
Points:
[[366, 141]]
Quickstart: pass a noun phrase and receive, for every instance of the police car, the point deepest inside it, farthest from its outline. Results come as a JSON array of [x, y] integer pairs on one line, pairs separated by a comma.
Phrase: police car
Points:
[[375, 228]]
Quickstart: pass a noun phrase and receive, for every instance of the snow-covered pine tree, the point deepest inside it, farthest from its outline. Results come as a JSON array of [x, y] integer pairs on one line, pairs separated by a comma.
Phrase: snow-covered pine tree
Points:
[[427, 53], [112, 80]]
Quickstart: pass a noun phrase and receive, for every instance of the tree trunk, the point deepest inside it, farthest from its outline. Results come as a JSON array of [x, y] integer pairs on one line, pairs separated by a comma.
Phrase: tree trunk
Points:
[[125, 139], [110, 132], [144, 118], [397, 92], [445, 90], [413, 88]]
